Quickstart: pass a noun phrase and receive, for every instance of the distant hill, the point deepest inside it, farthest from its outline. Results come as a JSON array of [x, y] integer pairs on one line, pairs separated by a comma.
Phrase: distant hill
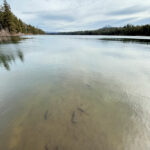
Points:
[[10, 24], [130, 30]]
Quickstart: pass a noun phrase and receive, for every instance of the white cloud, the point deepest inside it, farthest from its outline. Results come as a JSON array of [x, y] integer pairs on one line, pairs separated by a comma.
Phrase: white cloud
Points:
[[66, 15]]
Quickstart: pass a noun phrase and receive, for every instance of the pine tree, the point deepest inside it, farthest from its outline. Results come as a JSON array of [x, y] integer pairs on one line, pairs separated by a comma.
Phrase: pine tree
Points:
[[1, 17], [8, 18], [10, 22]]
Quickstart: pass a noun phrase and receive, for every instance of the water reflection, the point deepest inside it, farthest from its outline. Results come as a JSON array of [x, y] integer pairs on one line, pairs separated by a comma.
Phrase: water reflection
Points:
[[9, 39], [128, 40], [7, 58]]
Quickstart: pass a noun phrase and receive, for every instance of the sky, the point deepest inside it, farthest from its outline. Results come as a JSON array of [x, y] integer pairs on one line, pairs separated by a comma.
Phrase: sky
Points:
[[74, 15]]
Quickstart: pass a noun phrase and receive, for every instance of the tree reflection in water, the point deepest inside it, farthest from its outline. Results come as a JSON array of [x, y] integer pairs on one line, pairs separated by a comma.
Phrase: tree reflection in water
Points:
[[6, 59], [9, 56]]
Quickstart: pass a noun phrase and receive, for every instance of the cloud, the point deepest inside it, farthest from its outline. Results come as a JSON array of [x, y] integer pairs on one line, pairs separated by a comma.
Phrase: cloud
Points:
[[70, 15], [47, 15], [129, 10], [115, 22], [142, 21]]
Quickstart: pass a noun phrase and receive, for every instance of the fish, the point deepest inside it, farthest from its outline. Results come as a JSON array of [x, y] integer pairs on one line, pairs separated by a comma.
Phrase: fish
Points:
[[73, 117], [46, 147], [46, 115], [56, 148], [82, 111], [88, 85]]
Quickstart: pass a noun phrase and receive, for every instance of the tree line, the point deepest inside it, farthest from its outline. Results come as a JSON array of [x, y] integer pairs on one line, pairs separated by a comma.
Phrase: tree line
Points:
[[130, 30], [9, 22]]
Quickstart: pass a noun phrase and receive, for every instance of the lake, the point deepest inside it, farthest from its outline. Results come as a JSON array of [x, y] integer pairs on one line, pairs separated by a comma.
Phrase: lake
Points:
[[75, 93]]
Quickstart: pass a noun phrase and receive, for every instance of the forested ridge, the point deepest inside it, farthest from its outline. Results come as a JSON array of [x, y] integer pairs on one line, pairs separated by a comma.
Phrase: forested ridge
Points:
[[10, 23], [143, 30]]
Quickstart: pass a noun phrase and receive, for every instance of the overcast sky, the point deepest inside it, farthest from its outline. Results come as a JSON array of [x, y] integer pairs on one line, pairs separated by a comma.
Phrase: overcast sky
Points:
[[73, 15]]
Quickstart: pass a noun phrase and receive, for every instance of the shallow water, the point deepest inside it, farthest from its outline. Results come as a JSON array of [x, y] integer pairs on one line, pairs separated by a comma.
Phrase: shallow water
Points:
[[74, 93]]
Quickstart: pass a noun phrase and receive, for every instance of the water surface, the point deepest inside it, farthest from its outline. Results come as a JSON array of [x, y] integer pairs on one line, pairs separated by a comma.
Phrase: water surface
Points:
[[75, 93]]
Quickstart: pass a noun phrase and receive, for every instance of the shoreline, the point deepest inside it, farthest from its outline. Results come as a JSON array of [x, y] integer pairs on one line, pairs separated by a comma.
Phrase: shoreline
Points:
[[7, 37], [4, 33]]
